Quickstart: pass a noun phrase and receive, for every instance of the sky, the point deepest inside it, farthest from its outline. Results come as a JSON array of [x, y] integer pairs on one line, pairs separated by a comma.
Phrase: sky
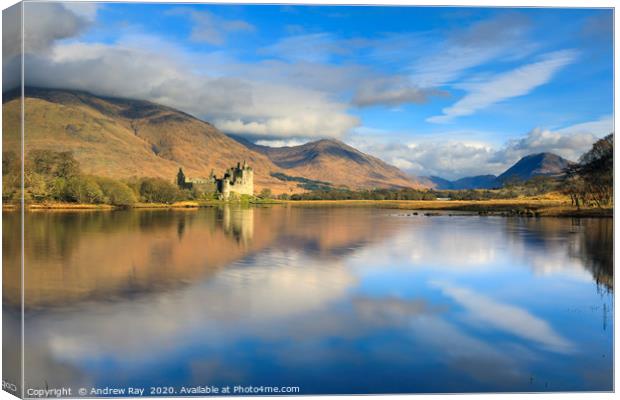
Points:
[[443, 91]]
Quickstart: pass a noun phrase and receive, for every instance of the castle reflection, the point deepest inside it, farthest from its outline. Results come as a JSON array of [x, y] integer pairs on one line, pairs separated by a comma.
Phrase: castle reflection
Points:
[[231, 294], [78, 256], [239, 223]]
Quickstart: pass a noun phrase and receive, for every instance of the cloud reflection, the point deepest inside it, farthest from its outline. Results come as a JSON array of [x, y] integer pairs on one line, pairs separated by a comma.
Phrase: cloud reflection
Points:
[[507, 318], [279, 292]]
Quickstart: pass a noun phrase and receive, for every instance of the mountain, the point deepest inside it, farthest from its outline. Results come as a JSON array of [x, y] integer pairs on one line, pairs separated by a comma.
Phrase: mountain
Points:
[[334, 161], [121, 138], [477, 182], [542, 164], [437, 182]]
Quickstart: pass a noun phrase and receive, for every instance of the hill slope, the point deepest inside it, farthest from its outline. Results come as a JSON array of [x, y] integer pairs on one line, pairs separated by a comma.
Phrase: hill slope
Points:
[[541, 164], [121, 138], [336, 162]]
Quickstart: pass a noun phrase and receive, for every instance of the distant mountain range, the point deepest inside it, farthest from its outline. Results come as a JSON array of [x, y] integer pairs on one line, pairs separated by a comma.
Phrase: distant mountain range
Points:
[[541, 164], [121, 138]]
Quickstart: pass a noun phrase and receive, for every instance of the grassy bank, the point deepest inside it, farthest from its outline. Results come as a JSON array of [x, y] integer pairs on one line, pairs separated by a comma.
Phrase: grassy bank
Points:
[[68, 206], [188, 204], [507, 207], [531, 207]]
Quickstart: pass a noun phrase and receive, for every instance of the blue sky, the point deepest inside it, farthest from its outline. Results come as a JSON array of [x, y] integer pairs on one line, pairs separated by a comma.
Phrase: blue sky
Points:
[[434, 91]]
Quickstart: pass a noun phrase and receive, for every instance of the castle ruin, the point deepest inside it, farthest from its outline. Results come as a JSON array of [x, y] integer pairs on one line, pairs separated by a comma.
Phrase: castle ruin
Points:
[[237, 180]]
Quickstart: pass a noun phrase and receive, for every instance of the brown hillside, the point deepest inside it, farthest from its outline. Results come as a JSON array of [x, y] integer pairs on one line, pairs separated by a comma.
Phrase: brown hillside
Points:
[[334, 161], [122, 138]]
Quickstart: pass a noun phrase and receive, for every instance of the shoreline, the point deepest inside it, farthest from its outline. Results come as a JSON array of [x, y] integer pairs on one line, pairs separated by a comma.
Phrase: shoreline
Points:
[[508, 207]]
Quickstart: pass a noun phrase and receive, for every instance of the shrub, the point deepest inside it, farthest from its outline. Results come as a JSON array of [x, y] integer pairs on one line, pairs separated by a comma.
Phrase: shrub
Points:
[[265, 193], [115, 192], [35, 187], [11, 184], [52, 163], [157, 190], [83, 189]]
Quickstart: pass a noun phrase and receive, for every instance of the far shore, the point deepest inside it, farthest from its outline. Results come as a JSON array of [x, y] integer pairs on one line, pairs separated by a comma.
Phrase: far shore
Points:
[[527, 207], [505, 207]]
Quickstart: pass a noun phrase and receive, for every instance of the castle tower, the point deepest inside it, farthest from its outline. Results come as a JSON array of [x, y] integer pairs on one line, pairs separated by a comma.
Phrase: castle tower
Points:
[[238, 180]]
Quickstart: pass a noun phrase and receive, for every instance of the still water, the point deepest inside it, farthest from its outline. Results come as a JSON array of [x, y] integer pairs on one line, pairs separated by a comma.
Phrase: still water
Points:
[[332, 300]]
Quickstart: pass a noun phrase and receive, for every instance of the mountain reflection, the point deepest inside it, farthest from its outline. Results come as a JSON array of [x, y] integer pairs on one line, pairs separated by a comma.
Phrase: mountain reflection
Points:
[[264, 295], [76, 256]]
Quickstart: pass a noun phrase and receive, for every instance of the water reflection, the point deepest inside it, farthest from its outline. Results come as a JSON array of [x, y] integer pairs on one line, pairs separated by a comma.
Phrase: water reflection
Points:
[[580, 244], [334, 300]]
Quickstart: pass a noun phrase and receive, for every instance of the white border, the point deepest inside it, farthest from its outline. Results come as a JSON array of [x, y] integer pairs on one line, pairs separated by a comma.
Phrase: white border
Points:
[[445, 3]]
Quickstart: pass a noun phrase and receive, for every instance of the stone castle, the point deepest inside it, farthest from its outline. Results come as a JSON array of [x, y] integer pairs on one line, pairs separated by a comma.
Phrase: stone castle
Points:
[[237, 180]]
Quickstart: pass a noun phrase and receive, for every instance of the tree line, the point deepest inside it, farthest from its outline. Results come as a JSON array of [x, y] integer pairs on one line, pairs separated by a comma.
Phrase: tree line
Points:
[[56, 176], [590, 182]]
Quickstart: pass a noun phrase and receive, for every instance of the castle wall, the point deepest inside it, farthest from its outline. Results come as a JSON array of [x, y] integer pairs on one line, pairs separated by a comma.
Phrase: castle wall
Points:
[[239, 181]]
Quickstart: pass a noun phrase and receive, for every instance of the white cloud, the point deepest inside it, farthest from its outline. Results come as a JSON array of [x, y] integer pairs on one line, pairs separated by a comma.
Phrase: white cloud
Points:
[[392, 91], [212, 29], [569, 142], [84, 9], [402, 163], [138, 69], [465, 49], [313, 47], [236, 96], [450, 64], [517, 82], [241, 98], [453, 158], [600, 127], [281, 142], [449, 159], [46, 23], [439, 60]]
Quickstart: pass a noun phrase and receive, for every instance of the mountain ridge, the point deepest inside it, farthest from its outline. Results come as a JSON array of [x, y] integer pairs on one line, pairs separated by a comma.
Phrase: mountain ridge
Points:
[[537, 164], [120, 138], [314, 159], [529, 166]]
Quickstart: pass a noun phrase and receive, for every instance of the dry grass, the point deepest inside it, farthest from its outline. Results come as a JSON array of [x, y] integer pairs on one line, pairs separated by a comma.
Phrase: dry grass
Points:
[[547, 206], [434, 204], [178, 204], [69, 206], [525, 206]]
